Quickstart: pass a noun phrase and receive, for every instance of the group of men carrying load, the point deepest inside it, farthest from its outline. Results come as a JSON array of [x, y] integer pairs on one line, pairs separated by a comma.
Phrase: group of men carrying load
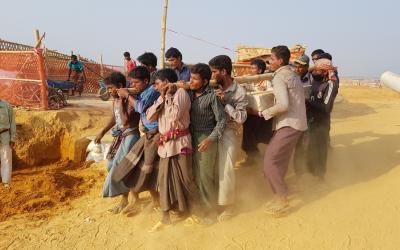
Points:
[[187, 153]]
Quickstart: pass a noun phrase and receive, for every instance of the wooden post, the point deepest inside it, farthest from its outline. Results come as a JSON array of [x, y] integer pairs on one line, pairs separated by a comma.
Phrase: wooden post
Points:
[[44, 102], [101, 67], [163, 30], [37, 38], [46, 61], [125, 68]]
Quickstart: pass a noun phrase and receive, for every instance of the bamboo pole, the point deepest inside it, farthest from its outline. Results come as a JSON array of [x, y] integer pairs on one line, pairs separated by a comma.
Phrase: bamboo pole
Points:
[[101, 66], [37, 37], [239, 79], [19, 79], [44, 102], [125, 68], [241, 65], [46, 61], [255, 78], [15, 51], [163, 30]]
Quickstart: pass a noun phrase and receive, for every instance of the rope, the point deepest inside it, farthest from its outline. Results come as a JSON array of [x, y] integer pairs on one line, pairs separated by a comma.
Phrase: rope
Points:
[[207, 42], [93, 71], [201, 40]]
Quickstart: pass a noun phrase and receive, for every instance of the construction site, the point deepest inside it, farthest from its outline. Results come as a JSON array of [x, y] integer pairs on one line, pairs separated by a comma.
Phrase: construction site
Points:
[[55, 199]]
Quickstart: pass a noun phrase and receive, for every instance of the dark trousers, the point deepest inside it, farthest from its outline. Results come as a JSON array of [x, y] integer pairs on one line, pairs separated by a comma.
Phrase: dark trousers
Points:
[[277, 156], [318, 146], [300, 155], [255, 130]]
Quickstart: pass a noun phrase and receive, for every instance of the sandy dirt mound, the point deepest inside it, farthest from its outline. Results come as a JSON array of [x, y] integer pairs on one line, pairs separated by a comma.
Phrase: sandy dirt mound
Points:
[[39, 192], [45, 137], [357, 207]]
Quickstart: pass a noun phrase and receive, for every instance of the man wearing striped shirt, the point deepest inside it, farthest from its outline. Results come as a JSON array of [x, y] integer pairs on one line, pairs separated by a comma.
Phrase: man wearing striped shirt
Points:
[[207, 123]]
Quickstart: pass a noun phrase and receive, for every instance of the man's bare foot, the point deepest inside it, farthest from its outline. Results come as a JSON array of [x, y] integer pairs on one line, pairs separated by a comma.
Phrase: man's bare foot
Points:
[[118, 208], [131, 208]]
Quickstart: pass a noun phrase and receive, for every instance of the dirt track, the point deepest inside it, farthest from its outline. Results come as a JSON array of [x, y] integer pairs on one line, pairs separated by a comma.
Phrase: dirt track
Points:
[[358, 207]]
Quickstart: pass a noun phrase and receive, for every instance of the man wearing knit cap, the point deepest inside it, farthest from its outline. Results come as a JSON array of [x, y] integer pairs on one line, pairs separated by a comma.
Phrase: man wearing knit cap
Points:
[[301, 65]]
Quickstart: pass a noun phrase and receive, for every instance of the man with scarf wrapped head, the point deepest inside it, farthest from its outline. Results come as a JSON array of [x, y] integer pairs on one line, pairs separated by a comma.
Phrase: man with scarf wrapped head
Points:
[[324, 89]]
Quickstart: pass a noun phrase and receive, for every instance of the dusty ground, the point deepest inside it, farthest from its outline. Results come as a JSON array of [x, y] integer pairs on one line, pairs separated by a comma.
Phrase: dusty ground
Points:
[[358, 206]]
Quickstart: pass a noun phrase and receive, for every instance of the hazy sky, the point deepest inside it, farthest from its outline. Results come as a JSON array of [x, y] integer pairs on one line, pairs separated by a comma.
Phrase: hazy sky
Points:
[[362, 36]]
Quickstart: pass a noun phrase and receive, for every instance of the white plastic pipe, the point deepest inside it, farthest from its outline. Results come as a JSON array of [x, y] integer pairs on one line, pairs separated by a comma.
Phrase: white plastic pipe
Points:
[[391, 80]]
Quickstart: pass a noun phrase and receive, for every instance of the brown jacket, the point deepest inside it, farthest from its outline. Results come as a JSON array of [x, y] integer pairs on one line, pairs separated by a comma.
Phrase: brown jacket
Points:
[[289, 109]]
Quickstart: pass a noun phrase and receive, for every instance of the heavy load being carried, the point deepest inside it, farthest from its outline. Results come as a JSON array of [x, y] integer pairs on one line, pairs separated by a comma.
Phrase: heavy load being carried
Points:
[[259, 91], [246, 54]]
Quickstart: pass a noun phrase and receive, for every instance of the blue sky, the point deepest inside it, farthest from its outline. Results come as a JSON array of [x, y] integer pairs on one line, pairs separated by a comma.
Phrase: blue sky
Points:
[[362, 36]]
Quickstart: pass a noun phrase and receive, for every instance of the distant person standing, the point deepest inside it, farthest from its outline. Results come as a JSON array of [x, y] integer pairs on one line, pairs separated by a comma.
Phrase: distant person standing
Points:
[[174, 59], [130, 63], [77, 72], [7, 140]]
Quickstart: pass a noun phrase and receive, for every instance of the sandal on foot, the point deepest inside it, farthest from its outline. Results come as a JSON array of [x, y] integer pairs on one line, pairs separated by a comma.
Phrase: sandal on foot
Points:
[[159, 226], [277, 210], [117, 209], [226, 215], [131, 208], [192, 220], [157, 209], [271, 202]]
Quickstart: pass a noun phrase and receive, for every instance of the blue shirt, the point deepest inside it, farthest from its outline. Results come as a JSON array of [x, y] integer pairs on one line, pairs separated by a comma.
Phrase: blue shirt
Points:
[[77, 66], [145, 100], [183, 74]]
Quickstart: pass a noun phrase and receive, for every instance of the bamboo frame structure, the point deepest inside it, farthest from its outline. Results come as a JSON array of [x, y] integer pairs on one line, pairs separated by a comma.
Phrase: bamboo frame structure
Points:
[[20, 79], [163, 31], [44, 102]]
